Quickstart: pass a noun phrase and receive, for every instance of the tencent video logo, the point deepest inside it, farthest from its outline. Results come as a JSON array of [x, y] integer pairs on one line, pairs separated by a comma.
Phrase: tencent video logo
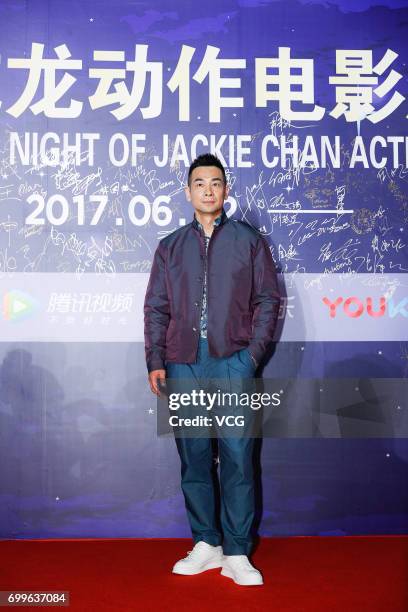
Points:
[[353, 307], [18, 306]]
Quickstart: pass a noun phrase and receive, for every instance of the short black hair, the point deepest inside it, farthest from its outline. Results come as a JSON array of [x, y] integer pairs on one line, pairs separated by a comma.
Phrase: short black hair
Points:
[[206, 159]]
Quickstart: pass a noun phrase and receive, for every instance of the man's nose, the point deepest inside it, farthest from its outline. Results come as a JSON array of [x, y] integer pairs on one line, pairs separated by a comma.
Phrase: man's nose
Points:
[[208, 190]]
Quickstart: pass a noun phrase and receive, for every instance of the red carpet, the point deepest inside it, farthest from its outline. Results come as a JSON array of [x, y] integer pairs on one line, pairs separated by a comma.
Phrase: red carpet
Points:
[[330, 574]]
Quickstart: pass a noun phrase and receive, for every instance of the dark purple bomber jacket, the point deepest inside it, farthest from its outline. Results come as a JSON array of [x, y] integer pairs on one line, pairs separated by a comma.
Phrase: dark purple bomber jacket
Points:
[[242, 294]]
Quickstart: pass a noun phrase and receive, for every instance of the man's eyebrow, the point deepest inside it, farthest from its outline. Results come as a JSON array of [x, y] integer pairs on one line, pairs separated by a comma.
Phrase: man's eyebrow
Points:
[[213, 179]]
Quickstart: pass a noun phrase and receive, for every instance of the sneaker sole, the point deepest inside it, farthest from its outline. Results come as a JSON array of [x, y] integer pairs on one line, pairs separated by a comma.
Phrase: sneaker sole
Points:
[[226, 572], [204, 568]]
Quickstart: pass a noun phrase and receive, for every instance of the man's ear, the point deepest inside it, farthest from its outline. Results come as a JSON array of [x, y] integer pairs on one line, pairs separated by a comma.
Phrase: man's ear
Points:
[[226, 192], [187, 192]]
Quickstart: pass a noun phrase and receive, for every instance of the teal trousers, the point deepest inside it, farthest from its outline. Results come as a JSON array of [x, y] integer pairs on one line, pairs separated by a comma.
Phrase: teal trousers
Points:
[[232, 527]]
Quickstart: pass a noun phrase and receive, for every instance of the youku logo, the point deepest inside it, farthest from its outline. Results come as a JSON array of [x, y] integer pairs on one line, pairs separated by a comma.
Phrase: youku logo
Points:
[[353, 307]]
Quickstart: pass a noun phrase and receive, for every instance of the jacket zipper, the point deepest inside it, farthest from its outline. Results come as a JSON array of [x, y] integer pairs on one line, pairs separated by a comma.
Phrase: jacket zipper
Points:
[[207, 259], [201, 297]]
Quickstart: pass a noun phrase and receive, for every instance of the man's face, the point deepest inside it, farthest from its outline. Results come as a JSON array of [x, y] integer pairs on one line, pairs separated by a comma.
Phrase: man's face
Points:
[[207, 191]]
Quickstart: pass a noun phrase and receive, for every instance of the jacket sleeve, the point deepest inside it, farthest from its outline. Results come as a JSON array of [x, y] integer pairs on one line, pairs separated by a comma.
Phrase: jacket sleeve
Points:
[[156, 314], [265, 300]]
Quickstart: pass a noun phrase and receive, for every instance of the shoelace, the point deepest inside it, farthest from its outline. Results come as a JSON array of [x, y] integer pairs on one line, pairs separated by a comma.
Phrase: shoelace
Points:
[[242, 562], [191, 554]]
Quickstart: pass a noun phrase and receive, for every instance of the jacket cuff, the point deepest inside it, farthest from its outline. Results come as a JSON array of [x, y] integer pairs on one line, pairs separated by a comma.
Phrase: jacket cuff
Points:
[[155, 364]]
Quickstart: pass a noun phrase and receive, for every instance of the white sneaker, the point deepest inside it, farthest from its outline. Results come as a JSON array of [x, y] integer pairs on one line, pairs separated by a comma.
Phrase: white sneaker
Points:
[[202, 558], [240, 570]]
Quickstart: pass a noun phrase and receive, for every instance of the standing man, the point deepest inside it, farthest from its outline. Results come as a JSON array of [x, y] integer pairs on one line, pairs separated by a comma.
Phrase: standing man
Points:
[[210, 312]]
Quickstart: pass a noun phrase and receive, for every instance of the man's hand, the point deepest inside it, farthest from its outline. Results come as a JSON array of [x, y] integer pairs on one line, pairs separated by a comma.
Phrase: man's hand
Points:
[[155, 376]]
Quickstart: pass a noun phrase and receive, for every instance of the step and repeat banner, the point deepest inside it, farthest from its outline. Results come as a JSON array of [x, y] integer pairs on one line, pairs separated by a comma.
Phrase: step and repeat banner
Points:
[[103, 106]]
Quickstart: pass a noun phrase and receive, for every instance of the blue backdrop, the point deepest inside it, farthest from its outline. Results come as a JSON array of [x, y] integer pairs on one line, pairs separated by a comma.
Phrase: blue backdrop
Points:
[[103, 106]]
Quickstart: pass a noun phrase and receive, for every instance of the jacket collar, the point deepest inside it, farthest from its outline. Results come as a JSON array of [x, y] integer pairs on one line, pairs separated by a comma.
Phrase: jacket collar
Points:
[[223, 218]]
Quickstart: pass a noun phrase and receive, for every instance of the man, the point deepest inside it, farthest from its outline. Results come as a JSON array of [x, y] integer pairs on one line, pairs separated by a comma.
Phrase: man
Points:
[[210, 312]]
